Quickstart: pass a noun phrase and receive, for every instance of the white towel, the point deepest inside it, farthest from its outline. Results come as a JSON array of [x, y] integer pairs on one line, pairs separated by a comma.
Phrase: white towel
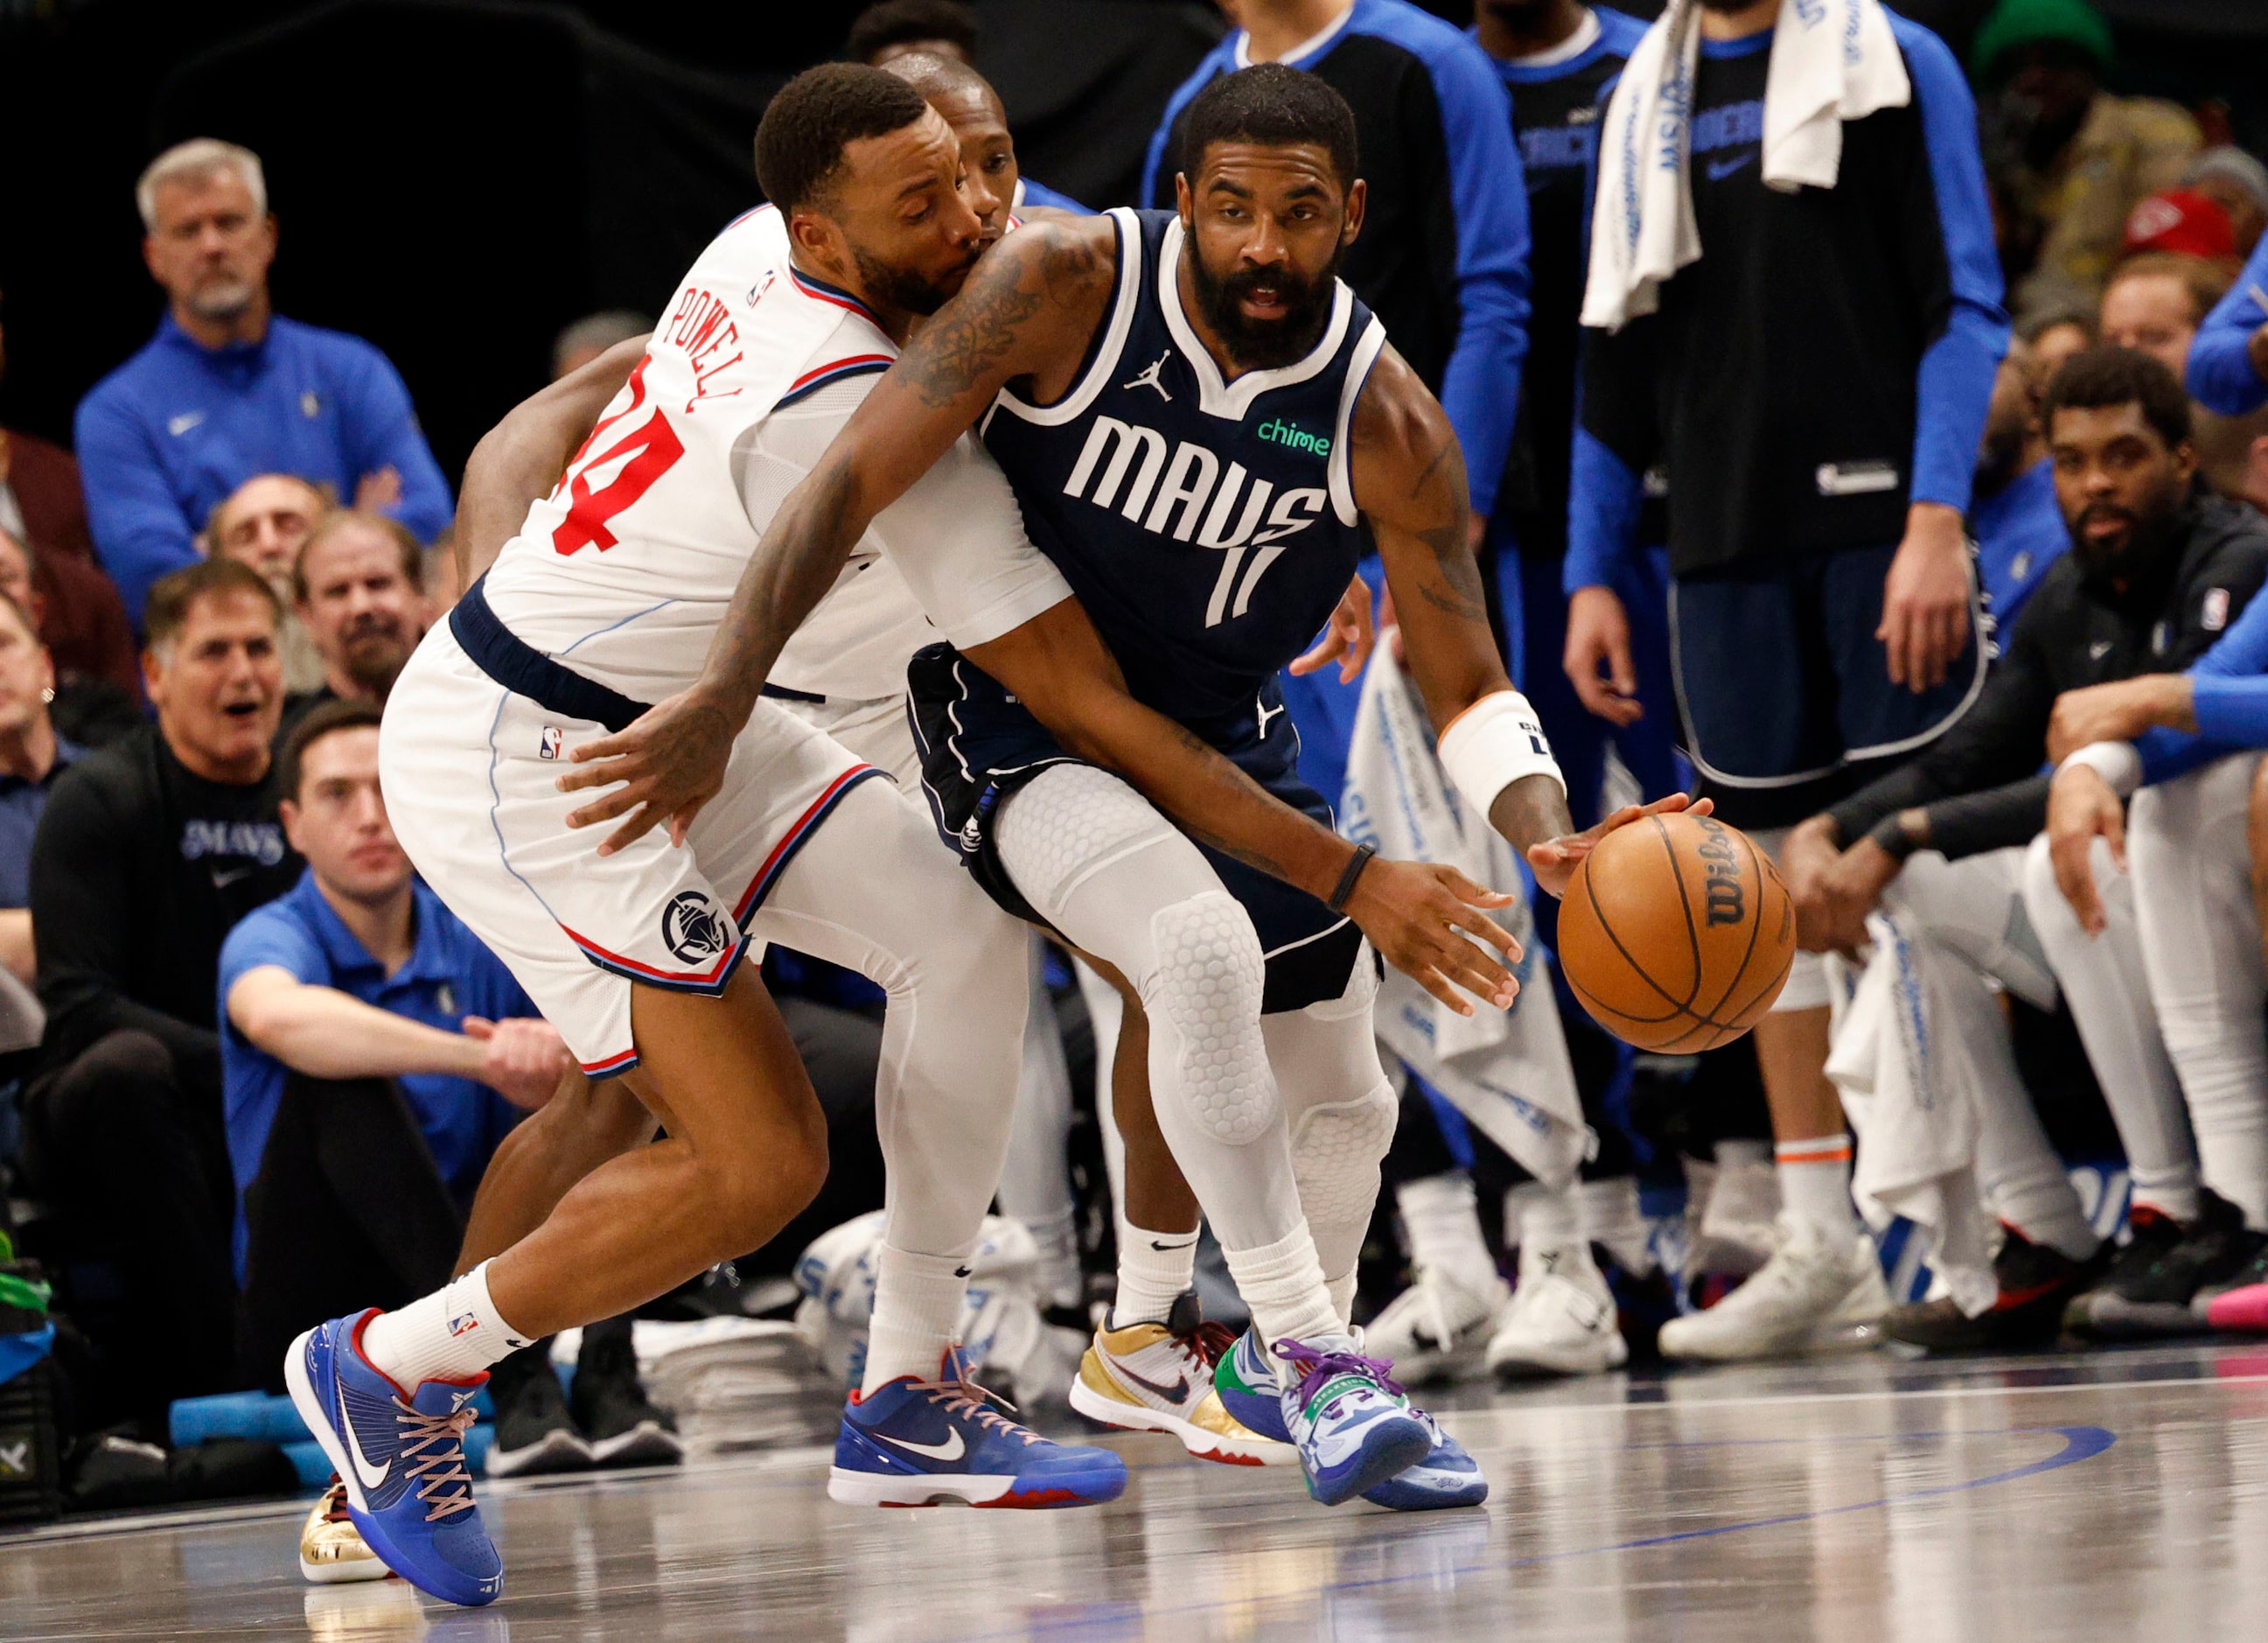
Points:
[[1507, 1070], [1832, 61]]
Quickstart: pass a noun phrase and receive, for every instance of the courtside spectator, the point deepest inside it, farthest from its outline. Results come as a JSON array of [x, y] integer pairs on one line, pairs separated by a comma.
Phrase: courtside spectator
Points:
[[359, 591], [227, 388], [76, 613], [263, 523], [31, 758], [39, 497], [2013, 514], [374, 1053], [149, 854], [2185, 222], [2240, 183], [2156, 302], [2069, 161], [583, 342], [891, 28], [2054, 335]]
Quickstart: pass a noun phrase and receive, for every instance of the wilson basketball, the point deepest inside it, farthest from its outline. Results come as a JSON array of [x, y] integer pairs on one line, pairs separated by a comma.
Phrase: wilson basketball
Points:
[[1676, 933]]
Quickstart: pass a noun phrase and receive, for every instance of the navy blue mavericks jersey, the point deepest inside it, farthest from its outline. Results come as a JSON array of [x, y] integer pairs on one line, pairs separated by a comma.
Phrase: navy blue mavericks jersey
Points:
[[1208, 529], [1556, 110]]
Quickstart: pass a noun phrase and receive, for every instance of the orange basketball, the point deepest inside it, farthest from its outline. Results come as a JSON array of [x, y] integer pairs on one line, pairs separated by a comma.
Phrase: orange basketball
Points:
[[1676, 933]]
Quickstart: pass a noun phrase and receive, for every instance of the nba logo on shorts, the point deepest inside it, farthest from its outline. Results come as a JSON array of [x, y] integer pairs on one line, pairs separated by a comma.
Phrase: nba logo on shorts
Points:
[[463, 1323], [552, 738]]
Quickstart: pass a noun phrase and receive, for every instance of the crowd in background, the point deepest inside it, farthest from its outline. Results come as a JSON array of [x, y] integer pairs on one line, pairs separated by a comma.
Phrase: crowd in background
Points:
[[256, 1070]]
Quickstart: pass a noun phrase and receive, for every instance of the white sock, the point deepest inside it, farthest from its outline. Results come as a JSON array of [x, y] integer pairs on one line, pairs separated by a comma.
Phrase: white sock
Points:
[[1815, 1182], [1547, 1219], [1607, 1213], [1444, 1228], [917, 1300], [1732, 1154], [1342, 1291], [1155, 1270], [452, 1334], [1283, 1284]]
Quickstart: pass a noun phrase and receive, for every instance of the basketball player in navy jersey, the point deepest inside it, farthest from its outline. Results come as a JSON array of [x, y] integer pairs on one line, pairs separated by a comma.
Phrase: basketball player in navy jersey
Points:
[[1202, 427]]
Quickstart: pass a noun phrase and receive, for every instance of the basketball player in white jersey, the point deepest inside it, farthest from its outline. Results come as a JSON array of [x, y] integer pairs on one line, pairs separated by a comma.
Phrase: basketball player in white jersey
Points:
[[632, 945]]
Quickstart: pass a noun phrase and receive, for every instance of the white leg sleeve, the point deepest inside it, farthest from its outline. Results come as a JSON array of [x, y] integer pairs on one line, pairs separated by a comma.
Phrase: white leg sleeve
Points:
[[2201, 946], [1341, 1111], [871, 891], [1105, 1011], [1099, 865], [2111, 993], [1035, 1183], [1807, 987]]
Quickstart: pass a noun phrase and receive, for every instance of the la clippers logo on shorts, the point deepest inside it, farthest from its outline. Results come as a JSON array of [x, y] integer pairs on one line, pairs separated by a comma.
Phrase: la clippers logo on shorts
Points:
[[696, 928], [552, 736]]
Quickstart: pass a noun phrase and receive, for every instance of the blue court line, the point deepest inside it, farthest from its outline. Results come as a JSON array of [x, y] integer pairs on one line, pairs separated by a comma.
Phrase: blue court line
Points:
[[2079, 1443]]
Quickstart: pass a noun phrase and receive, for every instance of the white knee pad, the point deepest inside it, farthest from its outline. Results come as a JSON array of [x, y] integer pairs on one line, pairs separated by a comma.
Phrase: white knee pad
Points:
[[1068, 823], [1207, 988], [1335, 1153]]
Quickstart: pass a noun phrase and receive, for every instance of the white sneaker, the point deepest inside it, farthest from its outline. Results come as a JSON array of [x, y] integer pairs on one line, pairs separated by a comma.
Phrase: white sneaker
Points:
[[1562, 1320], [1438, 1328], [1812, 1295], [1735, 1236]]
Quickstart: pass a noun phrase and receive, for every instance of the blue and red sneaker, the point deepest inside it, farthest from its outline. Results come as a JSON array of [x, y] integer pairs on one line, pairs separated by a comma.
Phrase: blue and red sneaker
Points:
[[913, 1443], [402, 1456], [1448, 1477]]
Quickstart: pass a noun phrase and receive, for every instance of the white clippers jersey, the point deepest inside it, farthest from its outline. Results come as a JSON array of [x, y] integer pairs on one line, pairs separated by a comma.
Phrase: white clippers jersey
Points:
[[623, 571]]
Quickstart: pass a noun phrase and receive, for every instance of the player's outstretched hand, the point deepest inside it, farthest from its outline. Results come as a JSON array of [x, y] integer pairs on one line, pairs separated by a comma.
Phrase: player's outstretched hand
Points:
[[522, 1060], [2082, 809], [1427, 920], [1597, 656], [670, 762], [1553, 861], [1349, 640]]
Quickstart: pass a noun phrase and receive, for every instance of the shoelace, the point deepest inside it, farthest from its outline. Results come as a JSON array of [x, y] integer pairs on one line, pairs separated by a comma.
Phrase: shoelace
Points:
[[971, 1402], [1208, 1343], [334, 1501], [443, 1438], [1315, 1368]]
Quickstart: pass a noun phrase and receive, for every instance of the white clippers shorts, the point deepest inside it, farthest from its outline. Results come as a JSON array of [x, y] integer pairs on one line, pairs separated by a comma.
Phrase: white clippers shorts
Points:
[[469, 771]]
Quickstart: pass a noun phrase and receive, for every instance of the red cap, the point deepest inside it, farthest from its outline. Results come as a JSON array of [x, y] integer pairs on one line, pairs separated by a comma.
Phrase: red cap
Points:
[[2178, 220]]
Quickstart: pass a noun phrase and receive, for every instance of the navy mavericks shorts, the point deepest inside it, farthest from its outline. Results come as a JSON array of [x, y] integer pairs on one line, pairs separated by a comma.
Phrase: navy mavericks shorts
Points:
[[1784, 691], [978, 744]]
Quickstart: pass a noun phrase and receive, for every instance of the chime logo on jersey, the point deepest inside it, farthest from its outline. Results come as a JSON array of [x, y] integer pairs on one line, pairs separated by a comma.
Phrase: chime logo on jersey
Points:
[[694, 927]]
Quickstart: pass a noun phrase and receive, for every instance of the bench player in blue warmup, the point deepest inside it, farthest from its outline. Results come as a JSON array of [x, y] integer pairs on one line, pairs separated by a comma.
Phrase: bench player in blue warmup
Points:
[[1136, 359]]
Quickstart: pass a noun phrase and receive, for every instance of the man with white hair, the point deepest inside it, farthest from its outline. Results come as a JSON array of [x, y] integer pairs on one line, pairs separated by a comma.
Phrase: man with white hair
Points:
[[228, 389]]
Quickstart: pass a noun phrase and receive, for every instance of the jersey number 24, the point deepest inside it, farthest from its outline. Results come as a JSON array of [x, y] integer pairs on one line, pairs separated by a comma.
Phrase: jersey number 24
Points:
[[644, 455]]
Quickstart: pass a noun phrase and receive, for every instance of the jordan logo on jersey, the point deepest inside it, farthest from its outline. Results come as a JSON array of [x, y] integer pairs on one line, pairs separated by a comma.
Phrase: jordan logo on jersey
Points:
[[1149, 378]]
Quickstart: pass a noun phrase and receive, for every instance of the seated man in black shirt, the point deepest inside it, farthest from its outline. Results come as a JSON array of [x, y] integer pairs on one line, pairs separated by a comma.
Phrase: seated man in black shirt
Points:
[[148, 852], [1951, 845]]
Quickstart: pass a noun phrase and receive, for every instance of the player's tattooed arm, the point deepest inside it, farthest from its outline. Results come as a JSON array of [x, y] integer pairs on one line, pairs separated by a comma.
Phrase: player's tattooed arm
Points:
[[1028, 311], [1409, 479]]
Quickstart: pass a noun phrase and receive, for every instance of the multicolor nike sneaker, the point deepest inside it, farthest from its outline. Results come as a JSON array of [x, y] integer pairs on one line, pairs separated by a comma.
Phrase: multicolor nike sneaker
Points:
[[914, 1443], [1158, 1377], [402, 1456], [1448, 1477], [1348, 1420]]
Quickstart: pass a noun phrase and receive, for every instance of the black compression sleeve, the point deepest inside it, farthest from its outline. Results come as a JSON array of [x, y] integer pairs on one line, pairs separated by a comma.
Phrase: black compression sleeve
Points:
[[1994, 820]]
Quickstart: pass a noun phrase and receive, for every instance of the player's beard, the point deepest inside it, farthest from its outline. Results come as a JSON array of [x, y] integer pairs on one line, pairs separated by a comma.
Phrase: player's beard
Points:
[[903, 288], [1266, 344], [2149, 542]]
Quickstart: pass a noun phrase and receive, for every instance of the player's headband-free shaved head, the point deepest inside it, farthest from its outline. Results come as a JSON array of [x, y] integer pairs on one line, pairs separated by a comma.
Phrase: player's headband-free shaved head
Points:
[[818, 114], [1275, 107]]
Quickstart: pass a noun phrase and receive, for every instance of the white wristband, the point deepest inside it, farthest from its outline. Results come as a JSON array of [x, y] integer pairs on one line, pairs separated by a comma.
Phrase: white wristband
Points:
[[2117, 762], [1495, 742]]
